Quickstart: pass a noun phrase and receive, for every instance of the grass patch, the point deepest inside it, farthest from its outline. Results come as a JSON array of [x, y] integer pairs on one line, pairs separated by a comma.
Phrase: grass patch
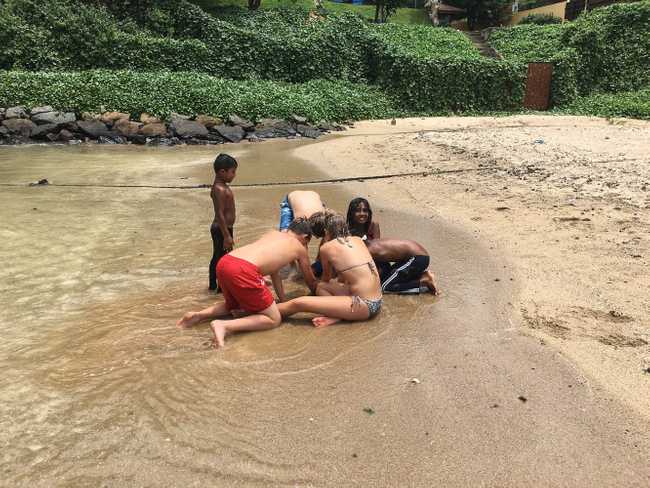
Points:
[[632, 104]]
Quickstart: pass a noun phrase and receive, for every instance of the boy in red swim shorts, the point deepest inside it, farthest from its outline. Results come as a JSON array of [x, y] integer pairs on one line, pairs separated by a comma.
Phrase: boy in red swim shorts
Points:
[[241, 277]]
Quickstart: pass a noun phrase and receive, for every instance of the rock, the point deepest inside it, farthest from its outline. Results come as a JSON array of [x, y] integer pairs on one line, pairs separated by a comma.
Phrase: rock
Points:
[[23, 127], [253, 137], [208, 121], [308, 131], [239, 122], [270, 133], [15, 113], [145, 118], [298, 119], [93, 128], [57, 118], [232, 134], [127, 128], [43, 130], [40, 182], [111, 117], [51, 136], [65, 135], [215, 138], [74, 142], [3, 131], [324, 125], [138, 139], [89, 116], [41, 110], [187, 128], [154, 130], [274, 123], [105, 140]]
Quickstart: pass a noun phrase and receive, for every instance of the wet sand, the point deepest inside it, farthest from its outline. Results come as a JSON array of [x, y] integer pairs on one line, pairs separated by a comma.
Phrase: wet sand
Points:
[[101, 389]]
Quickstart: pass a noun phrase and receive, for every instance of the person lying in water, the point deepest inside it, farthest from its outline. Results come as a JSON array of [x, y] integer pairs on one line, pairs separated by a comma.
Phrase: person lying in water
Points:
[[403, 266], [356, 295], [240, 276]]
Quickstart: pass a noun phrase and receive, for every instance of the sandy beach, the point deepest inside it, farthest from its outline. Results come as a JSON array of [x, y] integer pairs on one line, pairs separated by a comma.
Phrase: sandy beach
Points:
[[565, 199]]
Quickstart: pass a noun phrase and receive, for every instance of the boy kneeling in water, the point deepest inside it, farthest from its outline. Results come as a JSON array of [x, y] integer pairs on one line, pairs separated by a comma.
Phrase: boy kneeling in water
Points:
[[240, 276], [408, 274]]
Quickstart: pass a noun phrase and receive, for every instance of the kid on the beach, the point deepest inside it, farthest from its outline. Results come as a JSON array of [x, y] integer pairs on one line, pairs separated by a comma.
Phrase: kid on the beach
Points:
[[360, 220], [221, 230], [403, 266], [240, 274], [299, 203]]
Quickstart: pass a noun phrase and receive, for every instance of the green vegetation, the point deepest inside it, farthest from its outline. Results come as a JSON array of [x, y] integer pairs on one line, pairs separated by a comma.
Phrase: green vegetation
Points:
[[161, 93], [606, 50], [634, 104], [402, 15], [425, 42], [540, 19]]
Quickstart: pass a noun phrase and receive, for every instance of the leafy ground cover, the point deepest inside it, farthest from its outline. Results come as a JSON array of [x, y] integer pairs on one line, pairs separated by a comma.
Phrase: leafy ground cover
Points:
[[634, 104], [161, 93], [426, 43]]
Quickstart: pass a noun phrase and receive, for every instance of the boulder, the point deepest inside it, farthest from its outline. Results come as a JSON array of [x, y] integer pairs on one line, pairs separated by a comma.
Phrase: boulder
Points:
[[93, 128], [57, 118], [324, 125], [65, 135], [174, 115], [232, 134], [23, 127], [3, 131], [308, 131], [41, 131], [270, 133], [188, 128], [239, 122], [105, 140], [41, 110], [89, 116], [52, 136], [15, 113], [208, 121], [154, 130], [138, 139], [274, 124], [111, 117], [127, 128], [298, 119], [145, 118]]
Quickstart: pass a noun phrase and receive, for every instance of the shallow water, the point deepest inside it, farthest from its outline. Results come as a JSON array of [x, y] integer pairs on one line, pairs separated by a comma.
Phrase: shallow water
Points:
[[100, 389]]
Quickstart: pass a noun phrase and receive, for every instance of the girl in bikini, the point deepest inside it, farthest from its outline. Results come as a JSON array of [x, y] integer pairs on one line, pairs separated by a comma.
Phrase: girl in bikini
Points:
[[355, 294], [360, 220]]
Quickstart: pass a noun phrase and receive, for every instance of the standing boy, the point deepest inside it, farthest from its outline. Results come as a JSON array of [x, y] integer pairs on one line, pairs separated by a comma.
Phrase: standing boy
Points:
[[241, 279], [221, 230]]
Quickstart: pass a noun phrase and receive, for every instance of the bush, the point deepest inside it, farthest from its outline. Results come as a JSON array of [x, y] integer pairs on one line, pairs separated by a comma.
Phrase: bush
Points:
[[540, 19], [162, 93], [613, 47], [635, 104]]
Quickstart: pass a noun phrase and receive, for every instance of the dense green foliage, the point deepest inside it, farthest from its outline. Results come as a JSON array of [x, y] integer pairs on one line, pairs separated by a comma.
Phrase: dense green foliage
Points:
[[635, 104], [425, 42], [613, 47], [606, 50], [540, 19], [161, 93]]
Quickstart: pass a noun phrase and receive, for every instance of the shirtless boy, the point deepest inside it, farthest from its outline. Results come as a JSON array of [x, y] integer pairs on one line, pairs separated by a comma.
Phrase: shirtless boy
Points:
[[299, 204], [221, 230], [240, 274], [408, 273]]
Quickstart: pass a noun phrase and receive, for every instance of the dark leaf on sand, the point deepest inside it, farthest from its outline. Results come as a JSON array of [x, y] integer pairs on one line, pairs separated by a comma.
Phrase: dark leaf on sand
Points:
[[369, 411], [522, 399]]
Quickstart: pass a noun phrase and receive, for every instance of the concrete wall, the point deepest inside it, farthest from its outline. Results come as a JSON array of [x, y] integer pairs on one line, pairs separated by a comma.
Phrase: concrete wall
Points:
[[556, 9]]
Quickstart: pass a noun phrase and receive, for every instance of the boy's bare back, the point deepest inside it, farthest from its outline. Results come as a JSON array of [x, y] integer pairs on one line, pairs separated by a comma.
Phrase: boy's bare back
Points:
[[390, 250], [304, 203], [272, 251]]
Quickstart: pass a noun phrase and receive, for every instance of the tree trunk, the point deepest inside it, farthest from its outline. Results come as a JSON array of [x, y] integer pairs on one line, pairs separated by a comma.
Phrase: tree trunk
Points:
[[254, 4]]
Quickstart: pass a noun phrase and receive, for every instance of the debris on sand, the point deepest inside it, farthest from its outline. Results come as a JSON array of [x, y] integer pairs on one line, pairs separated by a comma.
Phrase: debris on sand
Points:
[[369, 411], [40, 182], [522, 399]]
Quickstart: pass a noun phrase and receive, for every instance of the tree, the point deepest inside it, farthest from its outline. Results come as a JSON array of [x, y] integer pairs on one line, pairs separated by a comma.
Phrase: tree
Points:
[[254, 4], [384, 9]]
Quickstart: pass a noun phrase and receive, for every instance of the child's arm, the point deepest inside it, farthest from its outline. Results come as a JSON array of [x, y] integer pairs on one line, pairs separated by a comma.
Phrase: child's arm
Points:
[[327, 268], [219, 200], [307, 272], [279, 286], [376, 231]]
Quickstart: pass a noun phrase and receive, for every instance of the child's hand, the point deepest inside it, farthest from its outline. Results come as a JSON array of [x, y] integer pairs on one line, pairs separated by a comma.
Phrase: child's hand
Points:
[[228, 243]]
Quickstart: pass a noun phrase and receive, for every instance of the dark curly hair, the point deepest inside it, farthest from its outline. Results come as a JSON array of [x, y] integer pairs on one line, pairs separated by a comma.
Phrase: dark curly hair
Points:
[[354, 205]]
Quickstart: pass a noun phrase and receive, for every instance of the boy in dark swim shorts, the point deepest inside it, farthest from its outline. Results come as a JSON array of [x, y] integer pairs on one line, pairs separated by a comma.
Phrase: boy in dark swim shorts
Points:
[[240, 274], [403, 266]]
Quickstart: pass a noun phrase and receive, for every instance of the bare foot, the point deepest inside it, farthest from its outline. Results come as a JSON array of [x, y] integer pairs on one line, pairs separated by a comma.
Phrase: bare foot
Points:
[[428, 279], [324, 321], [219, 330], [188, 320]]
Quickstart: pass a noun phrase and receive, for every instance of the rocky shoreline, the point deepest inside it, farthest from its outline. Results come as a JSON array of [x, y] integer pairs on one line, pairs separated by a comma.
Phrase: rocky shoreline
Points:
[[19, 125]]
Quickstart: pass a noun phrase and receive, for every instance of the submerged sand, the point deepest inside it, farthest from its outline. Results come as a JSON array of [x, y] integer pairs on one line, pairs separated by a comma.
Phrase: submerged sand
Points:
[[100, 388]]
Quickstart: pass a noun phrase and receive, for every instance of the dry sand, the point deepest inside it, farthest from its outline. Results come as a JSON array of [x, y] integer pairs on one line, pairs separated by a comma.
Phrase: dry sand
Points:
[[564, 199]]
